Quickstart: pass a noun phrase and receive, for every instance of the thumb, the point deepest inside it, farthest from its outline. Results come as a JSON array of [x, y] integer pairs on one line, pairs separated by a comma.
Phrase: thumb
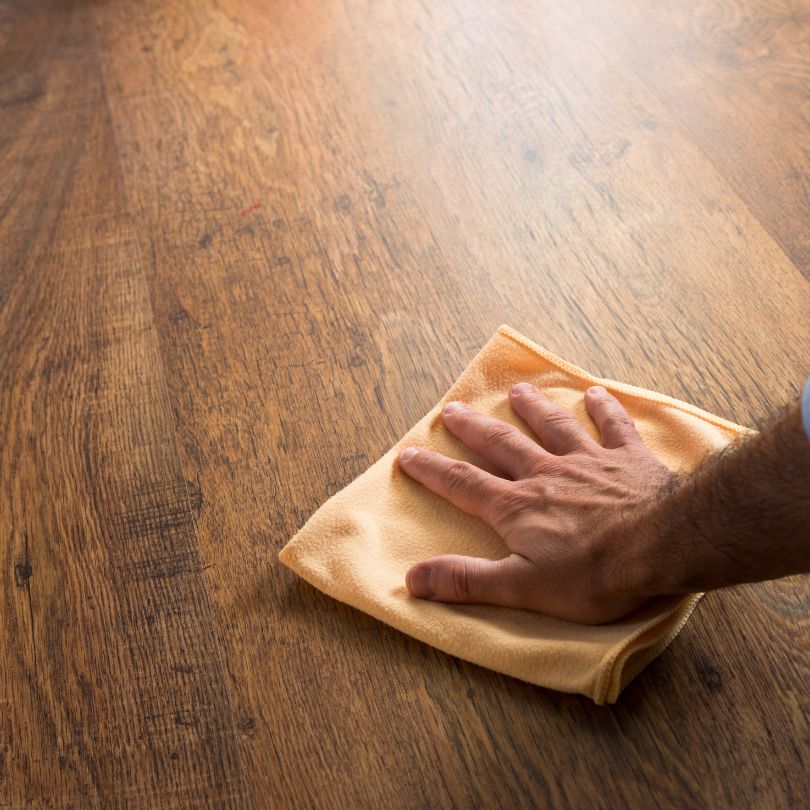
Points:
[[452, 578]]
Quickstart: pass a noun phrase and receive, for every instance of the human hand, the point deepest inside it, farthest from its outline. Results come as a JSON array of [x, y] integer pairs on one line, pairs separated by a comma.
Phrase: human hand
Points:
[[570, 510]]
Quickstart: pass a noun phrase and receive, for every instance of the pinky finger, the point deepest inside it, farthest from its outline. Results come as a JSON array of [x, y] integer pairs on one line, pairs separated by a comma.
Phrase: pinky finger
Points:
[[615, 425]]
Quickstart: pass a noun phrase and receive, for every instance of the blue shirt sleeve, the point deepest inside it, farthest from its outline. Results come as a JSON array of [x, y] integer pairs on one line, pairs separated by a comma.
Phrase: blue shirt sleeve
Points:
[[806, 408]]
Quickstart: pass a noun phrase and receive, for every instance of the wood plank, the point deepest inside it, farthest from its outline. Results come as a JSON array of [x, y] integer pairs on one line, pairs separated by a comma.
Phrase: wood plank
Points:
[[743, 98], [113, 690]]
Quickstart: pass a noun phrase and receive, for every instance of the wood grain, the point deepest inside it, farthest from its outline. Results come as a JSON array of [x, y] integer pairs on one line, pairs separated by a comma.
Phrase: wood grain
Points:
[[244, 247], [113, 683]]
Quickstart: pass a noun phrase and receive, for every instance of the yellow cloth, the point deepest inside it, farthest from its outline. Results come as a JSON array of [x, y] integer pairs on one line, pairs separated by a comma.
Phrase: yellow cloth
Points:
[[358, 546]]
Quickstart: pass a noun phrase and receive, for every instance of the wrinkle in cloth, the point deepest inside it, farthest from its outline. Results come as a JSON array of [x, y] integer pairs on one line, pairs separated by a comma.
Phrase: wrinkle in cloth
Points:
[[359, 545]]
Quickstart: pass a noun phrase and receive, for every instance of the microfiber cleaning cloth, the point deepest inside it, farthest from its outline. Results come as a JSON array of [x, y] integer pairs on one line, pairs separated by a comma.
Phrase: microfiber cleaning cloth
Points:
[[358, 546]]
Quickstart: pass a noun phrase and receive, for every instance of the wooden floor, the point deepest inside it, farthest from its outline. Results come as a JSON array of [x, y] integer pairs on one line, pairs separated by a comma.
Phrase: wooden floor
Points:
[[243, 247]]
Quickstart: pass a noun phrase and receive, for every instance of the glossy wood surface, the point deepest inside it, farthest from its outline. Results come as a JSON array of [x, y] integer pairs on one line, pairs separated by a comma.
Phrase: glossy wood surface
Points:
[[243, 247]]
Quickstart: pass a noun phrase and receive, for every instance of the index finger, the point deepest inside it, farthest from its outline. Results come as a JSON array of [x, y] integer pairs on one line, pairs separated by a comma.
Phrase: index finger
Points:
[[466, 486]]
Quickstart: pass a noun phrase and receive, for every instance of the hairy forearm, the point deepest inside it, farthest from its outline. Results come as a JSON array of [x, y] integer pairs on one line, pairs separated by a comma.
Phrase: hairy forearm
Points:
[[742, 516]]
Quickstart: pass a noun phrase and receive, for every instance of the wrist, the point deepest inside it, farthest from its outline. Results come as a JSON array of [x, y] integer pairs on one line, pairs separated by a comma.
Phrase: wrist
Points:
[[671, 550], [647, 563]]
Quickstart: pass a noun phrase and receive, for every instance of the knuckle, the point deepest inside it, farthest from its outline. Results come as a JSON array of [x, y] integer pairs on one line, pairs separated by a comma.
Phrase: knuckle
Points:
[[511, 500], [499, 433], [545, 466], [559, 422], [517, 501], [459, 581], [557, 418], [458, 477], [619, 422]]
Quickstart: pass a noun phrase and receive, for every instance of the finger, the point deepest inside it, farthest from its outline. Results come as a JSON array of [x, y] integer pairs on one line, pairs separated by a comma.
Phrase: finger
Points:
[[558, 429], [498, 442], [615, 425], [452, 578], [466, 486]]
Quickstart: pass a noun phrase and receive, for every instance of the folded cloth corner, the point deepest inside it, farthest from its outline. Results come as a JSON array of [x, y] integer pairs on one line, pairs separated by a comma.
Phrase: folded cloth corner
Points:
[[358, 546]]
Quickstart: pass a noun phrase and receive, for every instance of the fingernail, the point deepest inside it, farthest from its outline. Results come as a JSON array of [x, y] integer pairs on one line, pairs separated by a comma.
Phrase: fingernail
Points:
[[522, 388], [453, 407], [408, 453], [596, 389], [420, 581]]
